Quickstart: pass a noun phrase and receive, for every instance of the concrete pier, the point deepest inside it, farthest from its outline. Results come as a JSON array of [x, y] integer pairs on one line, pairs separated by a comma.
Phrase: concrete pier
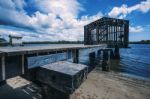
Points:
[[27, 61], [61, 79]]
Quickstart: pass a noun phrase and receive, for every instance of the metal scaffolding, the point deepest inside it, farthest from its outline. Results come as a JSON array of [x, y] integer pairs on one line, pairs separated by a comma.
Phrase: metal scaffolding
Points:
[[108, 31]]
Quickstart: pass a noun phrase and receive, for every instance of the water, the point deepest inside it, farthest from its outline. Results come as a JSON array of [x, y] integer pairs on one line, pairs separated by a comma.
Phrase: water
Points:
[[135, 61]]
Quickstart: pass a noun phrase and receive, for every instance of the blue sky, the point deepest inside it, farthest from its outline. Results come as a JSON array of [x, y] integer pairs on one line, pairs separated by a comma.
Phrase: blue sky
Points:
[[52, 20]]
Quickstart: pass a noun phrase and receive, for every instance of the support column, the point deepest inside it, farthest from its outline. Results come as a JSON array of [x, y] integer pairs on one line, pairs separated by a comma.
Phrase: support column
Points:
[[75, 54], [116, 52], [126, 34], [107, 35], [3, 77], [97, 35], [105, 61], [99, 53], [92, 61], [114, 35], [111, 54], [23, 64], [3, 68]]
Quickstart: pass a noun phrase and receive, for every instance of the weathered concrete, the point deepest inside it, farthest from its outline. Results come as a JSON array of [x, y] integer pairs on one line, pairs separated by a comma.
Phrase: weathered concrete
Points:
[[60, 79], [47, 48], [14, 60], [63, 76]]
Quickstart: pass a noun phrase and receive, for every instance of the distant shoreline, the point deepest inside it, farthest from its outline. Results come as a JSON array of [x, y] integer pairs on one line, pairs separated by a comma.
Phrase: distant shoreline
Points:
[[141, 42], [71, 42], [55, 42], [79, 42]]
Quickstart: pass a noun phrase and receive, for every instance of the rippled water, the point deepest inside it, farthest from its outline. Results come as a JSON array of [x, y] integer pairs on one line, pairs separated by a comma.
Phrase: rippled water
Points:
[[135, 60]]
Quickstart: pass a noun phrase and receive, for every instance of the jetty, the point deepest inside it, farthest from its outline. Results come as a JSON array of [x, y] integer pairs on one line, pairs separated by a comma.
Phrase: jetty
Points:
[[38, 63]]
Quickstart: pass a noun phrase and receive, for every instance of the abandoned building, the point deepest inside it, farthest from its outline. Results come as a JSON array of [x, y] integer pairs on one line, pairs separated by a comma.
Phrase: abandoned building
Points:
[[108, 31]]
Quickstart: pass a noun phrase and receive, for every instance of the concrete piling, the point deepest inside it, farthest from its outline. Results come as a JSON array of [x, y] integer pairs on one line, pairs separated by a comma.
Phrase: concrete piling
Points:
[[105, 64], [92, 59], [116, 53]]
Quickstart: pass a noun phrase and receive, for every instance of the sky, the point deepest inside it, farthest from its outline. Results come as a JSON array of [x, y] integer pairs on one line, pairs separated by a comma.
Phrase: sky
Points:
[[54, 20]]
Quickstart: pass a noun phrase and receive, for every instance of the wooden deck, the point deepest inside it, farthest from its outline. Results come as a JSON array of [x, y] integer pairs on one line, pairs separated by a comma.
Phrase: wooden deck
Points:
[[18, 50]]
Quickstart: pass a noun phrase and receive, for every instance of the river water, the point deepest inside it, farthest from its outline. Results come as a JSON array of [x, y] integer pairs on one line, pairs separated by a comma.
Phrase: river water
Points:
[[135, 60]]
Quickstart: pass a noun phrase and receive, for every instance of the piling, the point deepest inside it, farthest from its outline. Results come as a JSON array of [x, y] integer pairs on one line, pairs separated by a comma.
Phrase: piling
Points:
[[92, 59], [116, 52], [75, 53], [105, 64]]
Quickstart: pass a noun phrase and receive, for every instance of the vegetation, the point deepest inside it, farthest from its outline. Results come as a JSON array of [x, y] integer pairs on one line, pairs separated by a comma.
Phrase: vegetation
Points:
[[79, 42], [141, 42], [55, 42]]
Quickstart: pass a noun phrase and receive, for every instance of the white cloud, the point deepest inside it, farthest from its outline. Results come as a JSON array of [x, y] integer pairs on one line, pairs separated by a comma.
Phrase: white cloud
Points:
[[136, 29], [55, 20], [62, 8], [121, 12]]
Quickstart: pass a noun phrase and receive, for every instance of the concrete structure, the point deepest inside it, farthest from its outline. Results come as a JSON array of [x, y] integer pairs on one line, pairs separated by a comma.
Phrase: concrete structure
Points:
[[14, 60], [64, 76], [27, 61]]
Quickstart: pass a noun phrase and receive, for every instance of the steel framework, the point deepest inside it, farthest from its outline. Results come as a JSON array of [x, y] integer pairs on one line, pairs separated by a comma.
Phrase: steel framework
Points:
[[108, 31]]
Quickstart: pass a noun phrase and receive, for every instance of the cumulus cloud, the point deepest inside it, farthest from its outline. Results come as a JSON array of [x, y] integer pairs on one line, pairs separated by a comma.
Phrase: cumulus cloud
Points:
[[136, 29], [122, 11], [62, 8], [53, 20]]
